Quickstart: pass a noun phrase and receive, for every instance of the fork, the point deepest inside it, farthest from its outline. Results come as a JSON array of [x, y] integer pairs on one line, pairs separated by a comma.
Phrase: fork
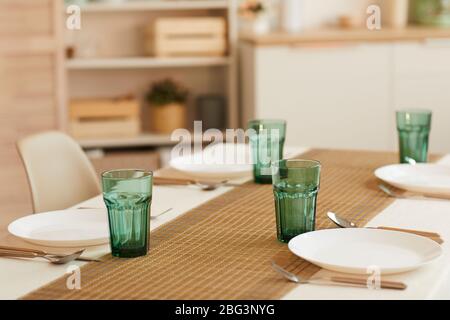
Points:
[[205, 185], [336, 280], [35, 253], [52, 258]]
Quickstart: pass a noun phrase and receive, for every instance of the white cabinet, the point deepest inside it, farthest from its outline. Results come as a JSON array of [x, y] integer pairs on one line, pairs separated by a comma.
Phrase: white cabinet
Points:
[[345, 95], [422, 80], [334, 97]]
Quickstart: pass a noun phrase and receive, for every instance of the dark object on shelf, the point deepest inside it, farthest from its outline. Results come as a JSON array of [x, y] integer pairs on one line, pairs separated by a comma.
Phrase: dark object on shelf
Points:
[[211, 110], [70, 52]]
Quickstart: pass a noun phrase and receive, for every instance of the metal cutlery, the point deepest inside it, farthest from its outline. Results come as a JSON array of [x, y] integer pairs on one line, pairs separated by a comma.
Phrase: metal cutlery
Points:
[[160, 214], [210, 186], [205, 185], [32, 254], [37, 252], [103, 208], [398, 195], [344, 223], [411, 161], [336, 280]]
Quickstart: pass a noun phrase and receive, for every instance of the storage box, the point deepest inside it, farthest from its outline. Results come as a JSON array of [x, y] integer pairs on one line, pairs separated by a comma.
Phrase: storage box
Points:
[[93, 118], [182, 36]]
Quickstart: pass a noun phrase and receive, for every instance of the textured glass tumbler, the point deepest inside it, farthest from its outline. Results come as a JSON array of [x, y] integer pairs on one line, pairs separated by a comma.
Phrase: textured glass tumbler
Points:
[[267, 141], [413, 130], [128, 195], [295, 188]]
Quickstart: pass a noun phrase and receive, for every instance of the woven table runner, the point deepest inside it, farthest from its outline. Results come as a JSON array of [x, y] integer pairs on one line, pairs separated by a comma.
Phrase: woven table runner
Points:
[[223, 248]]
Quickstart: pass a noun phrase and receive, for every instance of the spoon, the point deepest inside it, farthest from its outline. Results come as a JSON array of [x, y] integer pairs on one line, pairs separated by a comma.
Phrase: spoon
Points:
[[336, 280], [411, 161], [52, 258], [344, 223], [210, 186]]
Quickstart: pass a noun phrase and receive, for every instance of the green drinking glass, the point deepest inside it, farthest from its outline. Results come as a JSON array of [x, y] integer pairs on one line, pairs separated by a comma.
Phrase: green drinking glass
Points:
[[295, 187], [267, 141], [413, 129], [128, 196]]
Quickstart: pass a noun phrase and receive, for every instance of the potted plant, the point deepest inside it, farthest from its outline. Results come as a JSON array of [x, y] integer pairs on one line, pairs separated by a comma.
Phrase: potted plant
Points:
[[254, 14], [167, 100]]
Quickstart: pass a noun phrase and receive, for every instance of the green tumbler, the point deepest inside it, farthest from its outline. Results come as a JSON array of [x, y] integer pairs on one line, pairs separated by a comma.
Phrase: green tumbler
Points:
[[267, 141], [414, 130], [295, 188], [128, 195]]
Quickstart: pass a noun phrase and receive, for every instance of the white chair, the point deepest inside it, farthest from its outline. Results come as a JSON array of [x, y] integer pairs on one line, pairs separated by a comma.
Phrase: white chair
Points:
[[59, 173]]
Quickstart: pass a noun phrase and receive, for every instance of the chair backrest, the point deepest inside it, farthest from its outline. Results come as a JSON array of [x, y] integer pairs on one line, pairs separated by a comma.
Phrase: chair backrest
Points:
[[59, 173]]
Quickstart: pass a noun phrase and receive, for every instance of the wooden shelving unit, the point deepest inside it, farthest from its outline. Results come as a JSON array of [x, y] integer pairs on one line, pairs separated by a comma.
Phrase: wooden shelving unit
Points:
[[145, 139], [122, 67], [145, 62], [139, 5]]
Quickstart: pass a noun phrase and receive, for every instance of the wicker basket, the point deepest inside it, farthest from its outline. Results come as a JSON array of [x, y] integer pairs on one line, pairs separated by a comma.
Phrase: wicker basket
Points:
[[167, 118]]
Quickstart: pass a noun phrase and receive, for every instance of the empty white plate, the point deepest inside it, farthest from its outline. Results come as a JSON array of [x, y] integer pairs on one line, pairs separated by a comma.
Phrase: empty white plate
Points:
[[223, 161], [422, 177], [356, 250], [65, 228]]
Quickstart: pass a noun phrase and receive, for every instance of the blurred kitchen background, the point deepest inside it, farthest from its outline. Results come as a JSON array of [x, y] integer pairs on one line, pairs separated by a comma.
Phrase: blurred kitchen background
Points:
[[138, 69]]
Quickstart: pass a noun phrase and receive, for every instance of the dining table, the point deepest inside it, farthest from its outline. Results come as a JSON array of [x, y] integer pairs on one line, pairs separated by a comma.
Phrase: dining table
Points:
[[21, 277]]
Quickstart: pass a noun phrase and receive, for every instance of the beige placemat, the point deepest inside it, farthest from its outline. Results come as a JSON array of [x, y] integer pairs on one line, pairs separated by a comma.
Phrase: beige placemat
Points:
[[222, 249]]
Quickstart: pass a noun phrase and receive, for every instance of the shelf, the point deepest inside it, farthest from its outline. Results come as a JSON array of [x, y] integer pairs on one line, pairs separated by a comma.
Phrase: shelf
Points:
[[143, 140], [145, 62], [140, 5]]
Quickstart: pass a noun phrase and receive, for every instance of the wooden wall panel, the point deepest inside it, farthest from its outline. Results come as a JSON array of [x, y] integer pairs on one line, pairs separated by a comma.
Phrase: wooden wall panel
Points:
[[31, 76], [26, 17], [30, 89]]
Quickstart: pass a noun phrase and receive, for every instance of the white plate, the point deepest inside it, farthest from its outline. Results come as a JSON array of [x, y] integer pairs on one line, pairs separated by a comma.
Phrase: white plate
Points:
[[355, 250], [422, 177], [224, 161], [66, 228]]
